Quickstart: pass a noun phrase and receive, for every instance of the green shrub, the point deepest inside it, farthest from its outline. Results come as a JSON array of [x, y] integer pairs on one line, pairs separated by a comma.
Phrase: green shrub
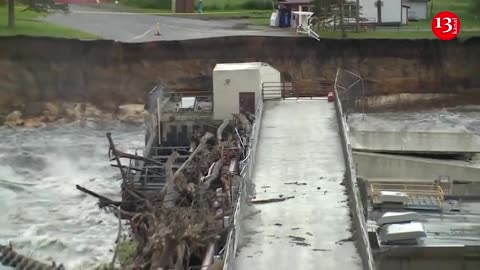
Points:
[[126, 252]]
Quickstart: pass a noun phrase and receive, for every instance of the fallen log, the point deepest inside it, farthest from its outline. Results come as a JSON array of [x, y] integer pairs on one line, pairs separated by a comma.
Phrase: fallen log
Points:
[[200, 147], [103, 201], [214, 175], [113, 150], [220, 130], [271, 200], [172, 194]]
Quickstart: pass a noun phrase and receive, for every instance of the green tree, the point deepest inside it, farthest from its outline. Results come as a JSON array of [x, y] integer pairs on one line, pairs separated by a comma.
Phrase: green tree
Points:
[[475, 7], [40, 6], [334, 11]]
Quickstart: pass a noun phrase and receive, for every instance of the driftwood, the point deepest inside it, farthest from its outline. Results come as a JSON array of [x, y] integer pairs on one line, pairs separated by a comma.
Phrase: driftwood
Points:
[[103, 201], [172, 195], [220, 130], [214, 175], [272, 200], [119, 234], [200, 147], [184, 222], [114, 151]]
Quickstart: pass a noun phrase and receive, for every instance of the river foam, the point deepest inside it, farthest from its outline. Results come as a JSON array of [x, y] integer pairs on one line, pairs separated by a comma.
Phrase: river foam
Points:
[[41, 212]]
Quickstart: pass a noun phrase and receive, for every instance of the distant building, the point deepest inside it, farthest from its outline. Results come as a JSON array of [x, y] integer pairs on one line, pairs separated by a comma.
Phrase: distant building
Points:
[[287, 9], [385, 12], [418, 9]]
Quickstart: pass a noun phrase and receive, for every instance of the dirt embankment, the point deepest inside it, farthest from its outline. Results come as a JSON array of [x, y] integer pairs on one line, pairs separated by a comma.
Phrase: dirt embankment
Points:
[[71, 78]]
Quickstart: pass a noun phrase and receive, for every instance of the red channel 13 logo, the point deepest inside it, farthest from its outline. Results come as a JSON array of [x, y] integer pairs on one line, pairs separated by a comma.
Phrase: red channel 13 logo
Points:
[[446, 25]]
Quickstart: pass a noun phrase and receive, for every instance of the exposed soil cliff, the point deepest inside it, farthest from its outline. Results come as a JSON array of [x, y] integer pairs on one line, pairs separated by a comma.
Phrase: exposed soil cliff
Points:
[[107, 74]]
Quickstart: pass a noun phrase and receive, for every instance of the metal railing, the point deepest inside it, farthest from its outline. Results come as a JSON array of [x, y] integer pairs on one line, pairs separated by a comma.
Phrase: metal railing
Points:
[[308, 29], [358, 212], [275, 90], [246, 172], [417, 190], [302, 89], [181, 94]]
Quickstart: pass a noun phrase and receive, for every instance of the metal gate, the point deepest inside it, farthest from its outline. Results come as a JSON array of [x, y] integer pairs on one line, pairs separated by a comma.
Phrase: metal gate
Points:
[[300, 89]]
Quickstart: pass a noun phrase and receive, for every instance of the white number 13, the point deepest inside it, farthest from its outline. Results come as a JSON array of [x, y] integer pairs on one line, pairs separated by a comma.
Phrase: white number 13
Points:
[[448, 23]]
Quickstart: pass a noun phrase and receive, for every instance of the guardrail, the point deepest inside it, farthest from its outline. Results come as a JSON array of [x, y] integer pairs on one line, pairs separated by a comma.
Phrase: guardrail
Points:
[[358, 213], [431, 190], [310, 88], [246, 172]]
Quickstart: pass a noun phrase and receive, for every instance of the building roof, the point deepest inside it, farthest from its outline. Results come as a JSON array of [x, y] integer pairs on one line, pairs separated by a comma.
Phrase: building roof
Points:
[[239, 66], [447, 227]]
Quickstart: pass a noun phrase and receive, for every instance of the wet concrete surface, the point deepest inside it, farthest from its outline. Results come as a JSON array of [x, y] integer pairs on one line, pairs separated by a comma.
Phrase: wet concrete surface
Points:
[[299, 154], [129, 27]]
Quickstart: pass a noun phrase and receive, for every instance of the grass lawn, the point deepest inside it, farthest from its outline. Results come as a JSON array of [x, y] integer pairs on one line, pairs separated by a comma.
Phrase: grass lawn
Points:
[[256, 17], [27, 23], [460, 7], [395, 35], [253, 16]]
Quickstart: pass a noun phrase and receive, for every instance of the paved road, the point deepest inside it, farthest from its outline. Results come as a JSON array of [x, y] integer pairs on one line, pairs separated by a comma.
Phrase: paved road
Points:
[[299, 142], [140, 27]]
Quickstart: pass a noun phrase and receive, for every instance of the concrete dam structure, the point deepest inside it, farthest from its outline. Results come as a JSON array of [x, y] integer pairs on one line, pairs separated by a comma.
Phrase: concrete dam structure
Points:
[[335, 182]]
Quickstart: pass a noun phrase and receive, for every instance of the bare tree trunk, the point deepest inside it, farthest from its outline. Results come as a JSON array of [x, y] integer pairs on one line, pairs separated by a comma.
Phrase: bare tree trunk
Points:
[[171, 197], [342, 25], [11, 14]]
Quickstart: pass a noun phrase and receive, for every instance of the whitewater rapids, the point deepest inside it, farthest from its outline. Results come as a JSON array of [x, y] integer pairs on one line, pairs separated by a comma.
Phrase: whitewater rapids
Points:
[[41, 212]]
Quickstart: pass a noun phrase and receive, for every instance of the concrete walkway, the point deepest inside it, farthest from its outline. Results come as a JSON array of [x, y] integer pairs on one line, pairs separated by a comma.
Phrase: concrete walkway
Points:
[[299, 143]]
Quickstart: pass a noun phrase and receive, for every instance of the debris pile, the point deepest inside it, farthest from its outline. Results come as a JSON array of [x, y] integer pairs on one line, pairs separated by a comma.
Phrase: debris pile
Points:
[[184, 223]]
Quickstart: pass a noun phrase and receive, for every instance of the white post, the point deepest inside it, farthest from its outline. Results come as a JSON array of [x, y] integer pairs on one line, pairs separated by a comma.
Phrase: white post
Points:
[[300, 16]]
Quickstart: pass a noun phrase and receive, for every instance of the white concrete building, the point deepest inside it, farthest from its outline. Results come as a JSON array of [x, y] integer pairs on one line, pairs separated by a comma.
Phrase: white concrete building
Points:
[[237, 87], [418, 9], [388, 12]]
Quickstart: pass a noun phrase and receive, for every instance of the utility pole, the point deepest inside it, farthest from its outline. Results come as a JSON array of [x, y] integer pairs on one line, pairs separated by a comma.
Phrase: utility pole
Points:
[[431, 10], [342, 25], [11, 14], [358, 15]]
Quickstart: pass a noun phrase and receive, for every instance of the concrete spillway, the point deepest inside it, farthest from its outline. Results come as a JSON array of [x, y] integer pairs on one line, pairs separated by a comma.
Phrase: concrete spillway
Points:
[[299, 142], [415, 142], [372, 165], [453, 130]]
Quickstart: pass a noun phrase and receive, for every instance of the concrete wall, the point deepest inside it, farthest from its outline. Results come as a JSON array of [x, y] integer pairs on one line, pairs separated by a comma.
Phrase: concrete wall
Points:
[[350, 180], [227, 84], [372, 165], [386, 141], [34, 71], [392, 11], [368, 10], [269, 74]]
